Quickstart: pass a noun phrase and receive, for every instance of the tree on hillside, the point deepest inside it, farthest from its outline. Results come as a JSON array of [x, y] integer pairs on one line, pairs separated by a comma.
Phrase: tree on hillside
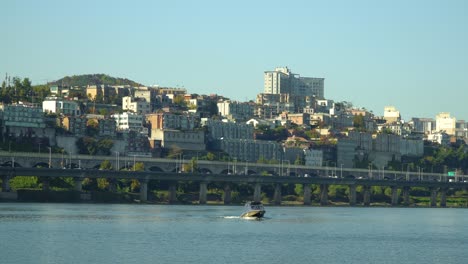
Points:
[[358, 122]]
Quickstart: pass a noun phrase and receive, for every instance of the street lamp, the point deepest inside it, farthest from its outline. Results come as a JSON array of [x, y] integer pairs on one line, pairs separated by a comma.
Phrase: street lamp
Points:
[[341, 171], [117, 154], [70, 159], [50, 157], [235, 166]]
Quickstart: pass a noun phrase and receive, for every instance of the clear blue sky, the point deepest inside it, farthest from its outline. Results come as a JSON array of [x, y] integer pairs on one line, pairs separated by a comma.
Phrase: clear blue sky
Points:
[[410, 54]]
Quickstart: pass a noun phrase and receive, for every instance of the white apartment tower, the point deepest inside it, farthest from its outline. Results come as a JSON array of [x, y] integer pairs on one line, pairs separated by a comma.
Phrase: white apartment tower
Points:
[[283, 81]]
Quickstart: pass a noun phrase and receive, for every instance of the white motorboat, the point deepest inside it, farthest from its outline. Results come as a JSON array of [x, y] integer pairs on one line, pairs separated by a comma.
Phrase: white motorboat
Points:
[[253, 209]]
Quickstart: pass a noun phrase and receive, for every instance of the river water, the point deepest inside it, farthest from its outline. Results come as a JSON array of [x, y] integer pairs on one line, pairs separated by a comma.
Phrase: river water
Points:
[[102, 233]]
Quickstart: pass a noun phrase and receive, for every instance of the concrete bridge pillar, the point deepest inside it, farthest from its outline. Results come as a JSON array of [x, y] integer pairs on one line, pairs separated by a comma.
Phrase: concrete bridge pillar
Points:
[[406, 200], [394, 196], [227, 194], [6, 183], [203, 191], [433, 191], [78, 184], [443, 197], [113, 185], [352, 195], [143, 190], [323, 194], [46, 184], [366, 195], [277, 197], [307, 194], [257, 192], [172, 193]]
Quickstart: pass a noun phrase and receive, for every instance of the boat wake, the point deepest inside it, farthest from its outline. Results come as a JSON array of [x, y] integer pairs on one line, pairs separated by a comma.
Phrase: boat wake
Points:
[[231, 217]]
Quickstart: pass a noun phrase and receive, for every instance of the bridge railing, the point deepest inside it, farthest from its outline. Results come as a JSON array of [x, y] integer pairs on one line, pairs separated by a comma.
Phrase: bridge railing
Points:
[[322, 171]]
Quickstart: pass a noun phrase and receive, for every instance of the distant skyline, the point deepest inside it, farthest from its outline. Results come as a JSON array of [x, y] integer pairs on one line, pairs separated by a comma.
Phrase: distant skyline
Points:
[[409, 54]]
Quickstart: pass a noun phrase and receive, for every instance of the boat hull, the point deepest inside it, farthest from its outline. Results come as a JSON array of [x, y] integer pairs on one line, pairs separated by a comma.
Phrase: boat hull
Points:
[[254, 213]]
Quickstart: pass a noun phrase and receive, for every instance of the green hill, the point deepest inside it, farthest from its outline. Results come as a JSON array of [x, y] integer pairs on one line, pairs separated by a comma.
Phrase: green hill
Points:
[[93, 79]]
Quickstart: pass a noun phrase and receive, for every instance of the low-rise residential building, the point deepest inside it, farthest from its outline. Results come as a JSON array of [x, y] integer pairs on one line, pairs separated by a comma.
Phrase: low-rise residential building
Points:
[[423, 125], [229, 130], [136, 105], [107, 127], [28, 120], [313, 157], [236, 110], [168, 120], [299, 119], [137, 143], [271, 110], [58, 105], [187, 140], [440, 137], [342, 120], [321, 119], [129, 121], [23, 115], [251, 150], [257, 121], [75, 124], [147, 93]]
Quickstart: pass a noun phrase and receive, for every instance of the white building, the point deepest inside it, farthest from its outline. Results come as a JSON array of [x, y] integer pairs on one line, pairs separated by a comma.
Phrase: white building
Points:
[[439, 137], [58, 105], [446, 123], [283, 81], [136, 105], [277, 81], [129, 121], [236, 110], [229, 130]]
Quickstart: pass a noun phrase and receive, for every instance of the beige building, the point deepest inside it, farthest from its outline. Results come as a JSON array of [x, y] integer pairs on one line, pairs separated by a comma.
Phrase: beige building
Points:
[[187, 140], [391, 114], [446, 123]]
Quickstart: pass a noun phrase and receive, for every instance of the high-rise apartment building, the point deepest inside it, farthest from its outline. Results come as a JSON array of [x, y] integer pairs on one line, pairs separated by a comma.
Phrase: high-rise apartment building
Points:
[[283, 81]]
